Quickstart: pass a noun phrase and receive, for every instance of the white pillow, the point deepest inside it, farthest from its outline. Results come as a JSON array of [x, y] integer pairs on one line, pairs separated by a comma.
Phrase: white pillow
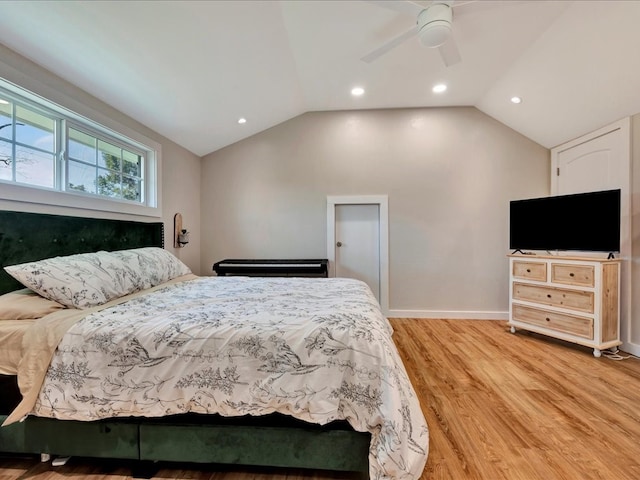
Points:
[[79, 281], [151, 266]]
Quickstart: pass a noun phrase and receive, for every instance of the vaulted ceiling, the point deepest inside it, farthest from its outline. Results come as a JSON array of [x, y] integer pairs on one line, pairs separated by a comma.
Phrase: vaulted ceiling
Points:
[[190, 69]]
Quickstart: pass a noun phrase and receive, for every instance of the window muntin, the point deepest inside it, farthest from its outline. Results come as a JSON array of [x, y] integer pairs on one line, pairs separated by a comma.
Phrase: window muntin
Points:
[[55, 148]]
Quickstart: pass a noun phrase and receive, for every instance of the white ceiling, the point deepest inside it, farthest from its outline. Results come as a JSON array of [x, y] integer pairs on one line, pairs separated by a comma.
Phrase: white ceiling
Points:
[[190, 69]]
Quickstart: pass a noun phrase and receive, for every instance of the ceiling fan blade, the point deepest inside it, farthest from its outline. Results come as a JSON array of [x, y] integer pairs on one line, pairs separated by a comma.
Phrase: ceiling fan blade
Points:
[[405, 6], [390, 45], [449, 52]]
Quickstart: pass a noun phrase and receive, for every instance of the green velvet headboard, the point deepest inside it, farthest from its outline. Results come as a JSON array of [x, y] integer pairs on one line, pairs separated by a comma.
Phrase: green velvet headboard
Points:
[[26, 237]]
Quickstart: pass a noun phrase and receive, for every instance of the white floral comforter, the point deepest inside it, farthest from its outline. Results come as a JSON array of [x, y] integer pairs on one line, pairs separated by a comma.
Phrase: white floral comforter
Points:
[[316, 349]]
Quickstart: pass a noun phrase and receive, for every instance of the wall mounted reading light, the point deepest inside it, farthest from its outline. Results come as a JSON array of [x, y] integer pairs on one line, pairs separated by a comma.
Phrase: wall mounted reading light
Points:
[[183, 237], [180, 235]]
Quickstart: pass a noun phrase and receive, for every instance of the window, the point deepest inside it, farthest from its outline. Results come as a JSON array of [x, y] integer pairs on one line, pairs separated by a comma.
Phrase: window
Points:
[[46, 147], [105, 168], [27, 145]]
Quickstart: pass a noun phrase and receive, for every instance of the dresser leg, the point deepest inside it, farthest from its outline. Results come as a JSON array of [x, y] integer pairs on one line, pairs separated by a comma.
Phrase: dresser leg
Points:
[[597, 353], [513, 329]]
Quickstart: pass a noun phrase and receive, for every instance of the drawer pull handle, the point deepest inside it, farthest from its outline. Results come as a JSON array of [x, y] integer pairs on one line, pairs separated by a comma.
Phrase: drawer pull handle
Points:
[[572, 274], [528, 270], [548, 295], [548, 319]]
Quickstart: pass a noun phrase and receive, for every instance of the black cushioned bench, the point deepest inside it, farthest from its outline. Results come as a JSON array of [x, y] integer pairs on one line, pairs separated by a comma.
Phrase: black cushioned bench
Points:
[[273, 268]]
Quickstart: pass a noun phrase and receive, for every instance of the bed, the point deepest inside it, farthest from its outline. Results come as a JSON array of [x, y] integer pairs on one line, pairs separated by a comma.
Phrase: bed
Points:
[[262, 371]]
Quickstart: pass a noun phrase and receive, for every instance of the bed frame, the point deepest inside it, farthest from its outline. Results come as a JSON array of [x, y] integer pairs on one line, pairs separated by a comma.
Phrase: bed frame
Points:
[[274, 440]]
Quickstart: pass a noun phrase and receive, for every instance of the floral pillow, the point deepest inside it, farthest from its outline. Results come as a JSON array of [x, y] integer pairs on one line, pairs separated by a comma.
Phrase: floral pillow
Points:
[[78, 281], [151, 266], [90, 279]]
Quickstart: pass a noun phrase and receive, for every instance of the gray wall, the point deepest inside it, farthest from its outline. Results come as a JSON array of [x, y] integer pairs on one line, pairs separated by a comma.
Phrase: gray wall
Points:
[[449, 174], [180, 168]]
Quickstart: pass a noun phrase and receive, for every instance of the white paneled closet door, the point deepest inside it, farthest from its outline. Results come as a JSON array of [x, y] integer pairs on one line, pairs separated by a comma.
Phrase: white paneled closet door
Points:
[[601, 160], [591, 164]]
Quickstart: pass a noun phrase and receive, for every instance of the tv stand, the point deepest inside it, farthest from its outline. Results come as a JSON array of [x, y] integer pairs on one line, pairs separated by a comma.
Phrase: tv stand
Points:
[[570, 298]]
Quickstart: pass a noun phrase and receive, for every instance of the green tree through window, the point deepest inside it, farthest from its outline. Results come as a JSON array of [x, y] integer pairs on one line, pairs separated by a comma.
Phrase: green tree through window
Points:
[[103, 168], [114, 183]]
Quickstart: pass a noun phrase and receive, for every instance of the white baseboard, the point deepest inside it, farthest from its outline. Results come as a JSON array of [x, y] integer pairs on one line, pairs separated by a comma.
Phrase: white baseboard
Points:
[[453, 314], [632, 348]]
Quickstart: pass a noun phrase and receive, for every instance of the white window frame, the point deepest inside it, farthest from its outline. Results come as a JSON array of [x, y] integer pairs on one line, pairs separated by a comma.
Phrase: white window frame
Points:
[[93, 121]]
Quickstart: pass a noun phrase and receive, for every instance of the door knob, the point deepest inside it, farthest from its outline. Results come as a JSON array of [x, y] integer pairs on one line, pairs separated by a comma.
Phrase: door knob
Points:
[[339, 244]]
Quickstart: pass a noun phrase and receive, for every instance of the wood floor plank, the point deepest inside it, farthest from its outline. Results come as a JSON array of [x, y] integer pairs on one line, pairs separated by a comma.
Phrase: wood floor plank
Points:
[[499, 407]]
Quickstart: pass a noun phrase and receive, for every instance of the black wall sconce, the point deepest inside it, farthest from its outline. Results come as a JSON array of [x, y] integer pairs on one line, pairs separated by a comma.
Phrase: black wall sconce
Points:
[[180, 235]]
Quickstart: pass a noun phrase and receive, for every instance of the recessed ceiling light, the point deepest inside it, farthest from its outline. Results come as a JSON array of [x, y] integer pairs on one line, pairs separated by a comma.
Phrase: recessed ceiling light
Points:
[[242, 120], [516, 100], [357, 91], [3, 102], [441, 87]]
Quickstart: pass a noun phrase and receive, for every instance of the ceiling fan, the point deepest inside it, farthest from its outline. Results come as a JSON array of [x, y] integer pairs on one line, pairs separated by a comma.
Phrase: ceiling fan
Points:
[[433, 27]]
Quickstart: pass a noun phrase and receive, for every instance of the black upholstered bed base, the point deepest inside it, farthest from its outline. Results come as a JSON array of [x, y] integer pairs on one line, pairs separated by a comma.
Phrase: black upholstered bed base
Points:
[[267, 441]]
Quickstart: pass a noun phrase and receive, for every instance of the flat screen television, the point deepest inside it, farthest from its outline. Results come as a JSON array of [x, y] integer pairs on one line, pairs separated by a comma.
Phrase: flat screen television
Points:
[[587, 222]]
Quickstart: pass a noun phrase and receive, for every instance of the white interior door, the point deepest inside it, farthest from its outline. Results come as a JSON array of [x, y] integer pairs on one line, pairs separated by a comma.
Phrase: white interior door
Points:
[[601, 160], [593, 165], [597, 161], [357, 245], [363, 230]]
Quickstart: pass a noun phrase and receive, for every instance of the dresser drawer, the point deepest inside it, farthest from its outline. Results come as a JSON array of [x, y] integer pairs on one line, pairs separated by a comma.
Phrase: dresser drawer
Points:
[[530, 270], [557, 297], [583, 275], [572, 324]]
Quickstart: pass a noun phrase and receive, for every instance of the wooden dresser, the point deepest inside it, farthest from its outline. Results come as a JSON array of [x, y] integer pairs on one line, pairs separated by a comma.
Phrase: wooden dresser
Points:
[[571, 298]]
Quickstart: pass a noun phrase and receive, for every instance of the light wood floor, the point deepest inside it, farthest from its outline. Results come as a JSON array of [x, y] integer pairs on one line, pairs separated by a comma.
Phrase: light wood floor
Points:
[[499, 406]]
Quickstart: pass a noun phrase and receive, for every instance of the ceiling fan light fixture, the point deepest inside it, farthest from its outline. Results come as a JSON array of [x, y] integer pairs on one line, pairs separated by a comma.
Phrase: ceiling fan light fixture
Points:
[[435, 34], [434, 25]]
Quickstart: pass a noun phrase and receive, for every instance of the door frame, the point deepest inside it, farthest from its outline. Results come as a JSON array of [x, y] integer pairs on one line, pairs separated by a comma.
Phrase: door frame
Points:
[[383, 224]]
